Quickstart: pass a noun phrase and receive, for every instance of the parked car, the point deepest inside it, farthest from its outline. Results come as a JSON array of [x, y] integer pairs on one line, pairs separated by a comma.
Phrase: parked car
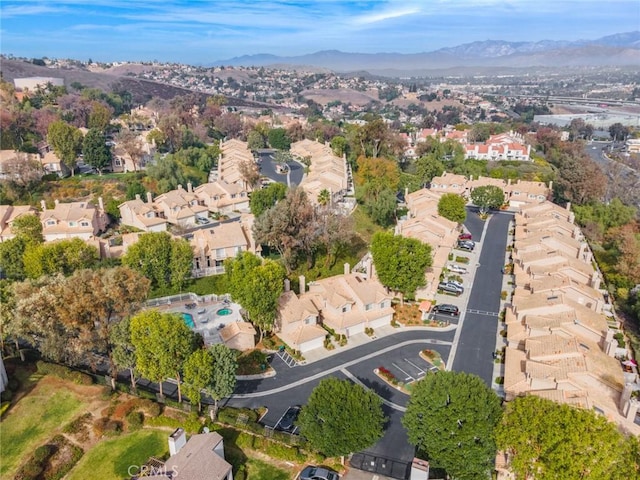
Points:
[[447, 308], [318, 473], [466, 245], [455, 283], [457, 268], [450, 288], [465, 236], [287, 422]]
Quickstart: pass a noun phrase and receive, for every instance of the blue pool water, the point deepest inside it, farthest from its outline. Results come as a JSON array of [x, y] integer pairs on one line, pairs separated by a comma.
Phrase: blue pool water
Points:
[[188, 320], [224, 311]]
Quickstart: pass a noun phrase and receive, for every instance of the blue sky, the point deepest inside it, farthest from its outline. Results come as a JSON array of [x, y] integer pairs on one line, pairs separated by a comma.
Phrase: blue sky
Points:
[[202, 31]]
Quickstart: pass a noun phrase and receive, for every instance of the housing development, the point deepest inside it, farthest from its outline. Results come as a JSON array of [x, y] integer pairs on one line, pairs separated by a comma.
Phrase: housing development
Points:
[[245, 272]]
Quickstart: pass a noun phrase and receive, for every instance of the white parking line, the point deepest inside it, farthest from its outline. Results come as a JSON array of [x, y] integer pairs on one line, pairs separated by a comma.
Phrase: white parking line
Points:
[[409, 377], [422, 372]]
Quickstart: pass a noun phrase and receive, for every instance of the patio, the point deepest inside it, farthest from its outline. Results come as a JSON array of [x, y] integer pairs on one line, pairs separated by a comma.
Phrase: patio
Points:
[[206, 315]]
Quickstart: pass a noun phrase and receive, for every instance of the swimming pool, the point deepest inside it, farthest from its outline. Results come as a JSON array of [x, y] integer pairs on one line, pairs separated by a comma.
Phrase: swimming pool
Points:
[[188, 320], [224, 311]]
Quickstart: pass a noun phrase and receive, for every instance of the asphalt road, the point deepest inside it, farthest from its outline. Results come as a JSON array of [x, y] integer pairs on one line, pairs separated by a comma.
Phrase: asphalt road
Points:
[[268, 169], [479, 326]]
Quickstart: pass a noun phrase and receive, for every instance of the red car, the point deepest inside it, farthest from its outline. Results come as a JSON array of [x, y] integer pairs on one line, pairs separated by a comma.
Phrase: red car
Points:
[[465, 236]]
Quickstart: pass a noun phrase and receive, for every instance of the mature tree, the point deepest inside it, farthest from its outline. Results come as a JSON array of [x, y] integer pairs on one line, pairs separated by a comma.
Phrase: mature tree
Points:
[[547, 440], [250, 173], [400, 262], [579, 180], [22, 174], [626, 241], [279, 139], [255, 140], [95, 150], [265, 198], [452, 207], [334, 233], [161, 259], [181, 263], [341, 417], [61, 256], [100, 116], [28, 227], [600, 217], [288, 227], [618, 132], [487, 197], [162, 343], [452, 416], [339, 145], [212, 371], [427, 167], [128, 143], [66, 142], [11, 258], [377, 173], [122, 350], [256, 286], [381, 207]]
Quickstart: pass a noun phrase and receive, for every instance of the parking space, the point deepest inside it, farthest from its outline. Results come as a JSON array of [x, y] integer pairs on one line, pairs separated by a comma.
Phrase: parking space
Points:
[[288, 419], [406, 366]]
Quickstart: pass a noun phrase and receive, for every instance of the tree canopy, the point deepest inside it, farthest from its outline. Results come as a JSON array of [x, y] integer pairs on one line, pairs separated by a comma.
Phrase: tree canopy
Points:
[[162, 343], [452, 207], [62, 256], [487, 197], [66, 141], [256, 285], [210, 370], [341, 417], [279, 139], [400, 262], [451, 416], [561, 442], [163, 260], [95, 150]]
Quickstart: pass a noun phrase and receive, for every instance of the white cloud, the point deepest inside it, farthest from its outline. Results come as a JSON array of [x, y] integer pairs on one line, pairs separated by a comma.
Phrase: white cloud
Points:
[[385, 15]]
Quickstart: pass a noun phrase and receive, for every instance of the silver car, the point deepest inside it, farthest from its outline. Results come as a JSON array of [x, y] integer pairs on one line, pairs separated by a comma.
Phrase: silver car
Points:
[[318, 473]]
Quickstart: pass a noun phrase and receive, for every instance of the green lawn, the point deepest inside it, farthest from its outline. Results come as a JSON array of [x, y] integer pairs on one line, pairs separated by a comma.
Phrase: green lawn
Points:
[[259, 470], [32, 421], [363, 225], [111, 459]]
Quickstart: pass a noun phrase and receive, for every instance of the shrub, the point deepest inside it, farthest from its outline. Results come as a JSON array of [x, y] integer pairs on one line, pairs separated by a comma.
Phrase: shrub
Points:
[[450, 256], [164, 421], [369, 331], [343, 340], [620, 338], [462, 259], [63, 372], [77, 425], [244, 440], [43, 452], [499, 380], [134, 420], [503, 295], [106, 426], [283, 452], [328, 344]]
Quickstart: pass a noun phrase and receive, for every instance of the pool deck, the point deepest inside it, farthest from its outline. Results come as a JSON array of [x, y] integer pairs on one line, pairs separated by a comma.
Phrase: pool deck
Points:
[[207, 322]]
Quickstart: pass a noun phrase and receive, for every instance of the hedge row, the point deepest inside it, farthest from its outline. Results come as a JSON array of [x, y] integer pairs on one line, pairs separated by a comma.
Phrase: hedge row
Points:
[[63, 372], [40, 466]]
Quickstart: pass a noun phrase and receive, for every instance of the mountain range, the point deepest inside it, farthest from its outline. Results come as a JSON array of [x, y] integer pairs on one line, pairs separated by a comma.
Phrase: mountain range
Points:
[[622, 49]]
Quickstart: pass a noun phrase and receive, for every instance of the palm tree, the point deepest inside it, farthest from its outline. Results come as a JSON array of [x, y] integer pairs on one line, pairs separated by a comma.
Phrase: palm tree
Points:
[[324, 197]]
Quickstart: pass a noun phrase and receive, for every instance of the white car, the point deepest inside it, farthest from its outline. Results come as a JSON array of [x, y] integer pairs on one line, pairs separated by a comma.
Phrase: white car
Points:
[[456, 283], [457, 268]]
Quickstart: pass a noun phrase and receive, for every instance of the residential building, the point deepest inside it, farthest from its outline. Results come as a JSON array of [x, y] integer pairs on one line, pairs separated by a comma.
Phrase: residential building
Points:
[[326, 170], [181, 207], [19, 166], [123, 161], [450, 183], [199, 458], [239, 336], [297, 322], [214, 244], [73, 220], [234, 157], [223, 197], [525, 192], [8, 213], [141, 215]]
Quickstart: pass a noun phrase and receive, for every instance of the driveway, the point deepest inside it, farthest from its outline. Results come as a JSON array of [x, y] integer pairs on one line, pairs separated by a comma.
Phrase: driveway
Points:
[[268, 169]]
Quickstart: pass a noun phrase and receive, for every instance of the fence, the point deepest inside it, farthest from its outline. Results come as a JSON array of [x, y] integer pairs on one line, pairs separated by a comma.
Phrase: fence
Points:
[[187, 297]]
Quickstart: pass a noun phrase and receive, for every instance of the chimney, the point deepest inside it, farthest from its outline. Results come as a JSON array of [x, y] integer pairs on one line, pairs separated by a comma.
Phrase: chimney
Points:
[[508, 181], [189, 187], [43, 204], [137, 196], [179, 187], [369, 267], [595, 280], [149, 197], [419, 469], [56, 201], [568, 205], [303, 284], [287, 285], [551, 186], [177, 440], [347, 268], [101, 204]]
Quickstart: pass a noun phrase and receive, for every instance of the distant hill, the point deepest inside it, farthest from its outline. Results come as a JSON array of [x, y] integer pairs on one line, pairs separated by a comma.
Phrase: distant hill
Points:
[[621, 49]]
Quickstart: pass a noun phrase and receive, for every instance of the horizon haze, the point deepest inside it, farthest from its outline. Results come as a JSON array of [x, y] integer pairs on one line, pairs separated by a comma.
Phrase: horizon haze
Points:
[[208, 31]]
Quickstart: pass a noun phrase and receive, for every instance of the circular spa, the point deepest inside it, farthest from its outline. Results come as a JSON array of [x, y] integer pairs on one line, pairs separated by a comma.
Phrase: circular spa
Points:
[[224, 311]]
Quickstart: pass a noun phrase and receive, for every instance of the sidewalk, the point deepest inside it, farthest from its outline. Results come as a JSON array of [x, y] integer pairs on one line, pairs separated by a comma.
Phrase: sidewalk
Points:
[[363, 339], [498, 367]]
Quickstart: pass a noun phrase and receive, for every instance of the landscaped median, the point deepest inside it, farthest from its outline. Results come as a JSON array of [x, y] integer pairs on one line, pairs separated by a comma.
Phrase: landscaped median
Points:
[[430, 356]]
